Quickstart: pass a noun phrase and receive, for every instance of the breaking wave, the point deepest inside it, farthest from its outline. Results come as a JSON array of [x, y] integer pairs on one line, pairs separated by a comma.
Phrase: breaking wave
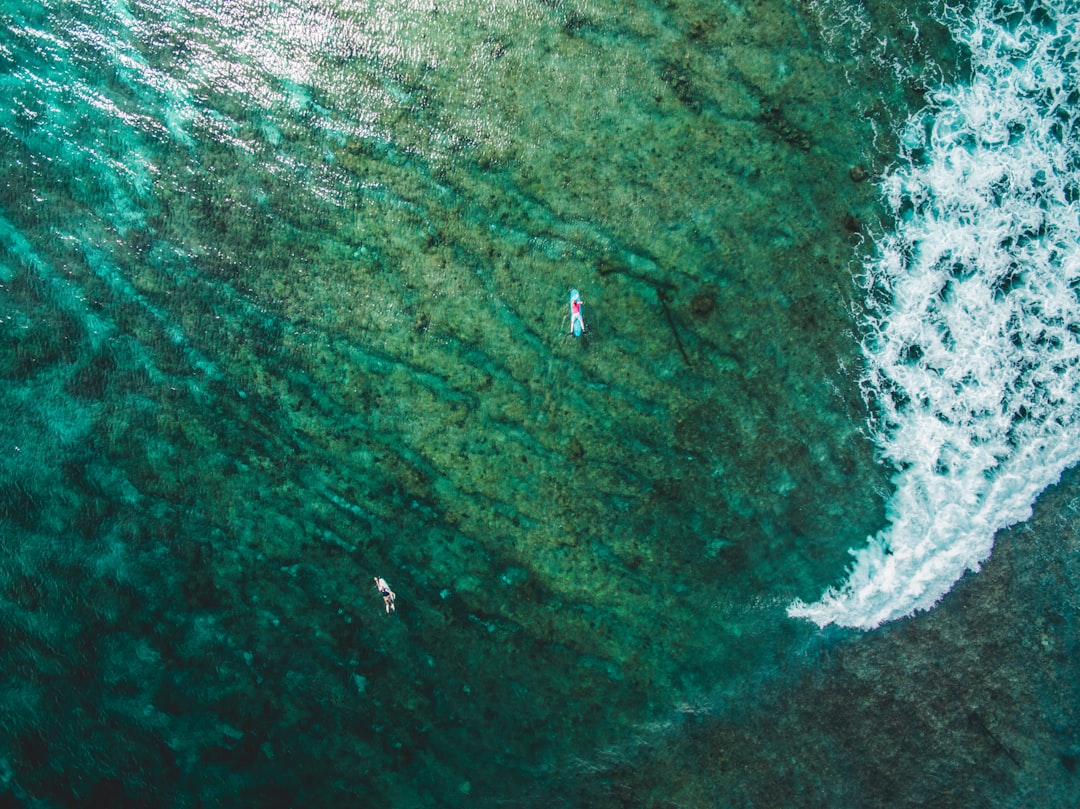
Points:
[[972, 321]]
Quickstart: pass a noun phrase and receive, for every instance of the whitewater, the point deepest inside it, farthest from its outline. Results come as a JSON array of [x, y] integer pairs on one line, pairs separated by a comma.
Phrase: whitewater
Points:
[[971, 318]]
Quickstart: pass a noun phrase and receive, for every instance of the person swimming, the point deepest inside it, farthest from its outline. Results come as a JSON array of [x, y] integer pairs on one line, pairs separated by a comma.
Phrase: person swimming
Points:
[[387, 594]]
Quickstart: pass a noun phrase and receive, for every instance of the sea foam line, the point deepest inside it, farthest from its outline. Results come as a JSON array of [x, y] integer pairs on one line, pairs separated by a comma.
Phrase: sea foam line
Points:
[[972, 323]]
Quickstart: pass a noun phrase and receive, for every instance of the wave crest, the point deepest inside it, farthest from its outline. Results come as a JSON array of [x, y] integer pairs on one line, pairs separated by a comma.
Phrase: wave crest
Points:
[[972, 324]]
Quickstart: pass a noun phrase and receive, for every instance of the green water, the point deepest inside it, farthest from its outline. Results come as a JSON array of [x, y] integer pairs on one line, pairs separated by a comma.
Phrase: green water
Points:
[[283, 307]]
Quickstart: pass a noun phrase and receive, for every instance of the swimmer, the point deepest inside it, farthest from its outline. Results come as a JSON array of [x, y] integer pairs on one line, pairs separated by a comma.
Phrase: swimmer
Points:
[[387, 594]]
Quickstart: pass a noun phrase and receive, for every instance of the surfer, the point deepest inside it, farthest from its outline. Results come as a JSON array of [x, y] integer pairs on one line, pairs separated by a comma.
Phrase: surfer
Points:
[[387, 594], [577, 323]]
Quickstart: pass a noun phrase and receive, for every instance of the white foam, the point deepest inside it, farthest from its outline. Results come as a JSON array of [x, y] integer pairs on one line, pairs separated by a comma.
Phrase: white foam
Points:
[[972, 327]]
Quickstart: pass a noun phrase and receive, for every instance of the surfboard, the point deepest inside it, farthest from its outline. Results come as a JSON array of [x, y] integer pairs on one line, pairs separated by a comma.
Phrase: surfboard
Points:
[[577, 323]]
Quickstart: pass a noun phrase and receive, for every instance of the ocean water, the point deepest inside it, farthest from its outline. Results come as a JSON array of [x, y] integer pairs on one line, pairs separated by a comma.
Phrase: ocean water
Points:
[[972, 312], [284, 307]]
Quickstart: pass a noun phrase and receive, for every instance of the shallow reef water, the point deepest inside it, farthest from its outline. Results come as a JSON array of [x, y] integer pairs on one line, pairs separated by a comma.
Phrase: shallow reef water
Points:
[[284, 306], [971, 704]]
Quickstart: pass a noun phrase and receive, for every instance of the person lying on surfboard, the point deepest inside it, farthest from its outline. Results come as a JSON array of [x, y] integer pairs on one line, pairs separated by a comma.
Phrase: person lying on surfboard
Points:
[[577, 324]]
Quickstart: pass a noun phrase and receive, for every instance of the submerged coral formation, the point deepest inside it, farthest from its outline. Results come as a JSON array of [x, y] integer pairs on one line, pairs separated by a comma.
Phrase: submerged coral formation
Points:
[[284, 309]]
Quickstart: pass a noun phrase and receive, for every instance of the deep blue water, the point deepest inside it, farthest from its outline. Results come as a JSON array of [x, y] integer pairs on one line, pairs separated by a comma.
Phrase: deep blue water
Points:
[[284, 307]]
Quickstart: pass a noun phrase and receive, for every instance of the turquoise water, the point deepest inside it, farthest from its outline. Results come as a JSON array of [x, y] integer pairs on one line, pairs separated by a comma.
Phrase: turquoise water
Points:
[[973, 361], [284, 307]]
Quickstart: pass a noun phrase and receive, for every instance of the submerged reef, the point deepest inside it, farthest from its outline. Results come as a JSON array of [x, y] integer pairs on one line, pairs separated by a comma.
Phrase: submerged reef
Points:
[[284, 308], [972, 704]]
